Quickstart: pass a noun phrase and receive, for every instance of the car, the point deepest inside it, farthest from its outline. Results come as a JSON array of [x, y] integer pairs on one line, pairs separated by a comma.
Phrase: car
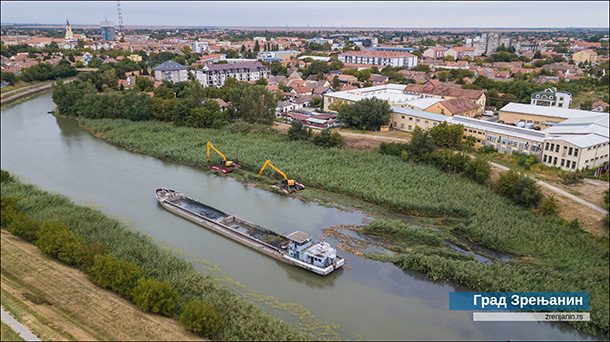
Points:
[[488, 113]]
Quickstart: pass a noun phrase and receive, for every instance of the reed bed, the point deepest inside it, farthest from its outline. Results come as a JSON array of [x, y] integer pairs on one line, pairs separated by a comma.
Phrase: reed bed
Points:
[[556, 256]]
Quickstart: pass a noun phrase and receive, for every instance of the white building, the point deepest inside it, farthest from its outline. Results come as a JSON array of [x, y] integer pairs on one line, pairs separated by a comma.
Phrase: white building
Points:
[[171, 71], [216, 74], [199, 47], [550, 97], [383, 58]]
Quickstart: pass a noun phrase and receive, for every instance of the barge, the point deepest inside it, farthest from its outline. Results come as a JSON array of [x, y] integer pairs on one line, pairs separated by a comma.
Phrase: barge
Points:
[[297, 248]]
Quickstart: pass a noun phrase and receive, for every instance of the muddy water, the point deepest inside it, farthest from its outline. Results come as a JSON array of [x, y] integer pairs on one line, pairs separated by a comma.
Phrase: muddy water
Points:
[[371, 300]]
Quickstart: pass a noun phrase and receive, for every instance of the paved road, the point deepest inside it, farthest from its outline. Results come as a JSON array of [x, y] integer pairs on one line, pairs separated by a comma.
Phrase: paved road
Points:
[[22, 88], [18, 327], [559, 191]]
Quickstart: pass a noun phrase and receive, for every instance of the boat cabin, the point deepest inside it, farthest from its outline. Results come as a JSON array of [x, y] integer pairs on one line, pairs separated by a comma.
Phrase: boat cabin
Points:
[[301, 247]]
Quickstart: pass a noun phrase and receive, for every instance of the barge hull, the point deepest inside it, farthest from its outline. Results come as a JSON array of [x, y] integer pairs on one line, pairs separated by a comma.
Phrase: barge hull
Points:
[[221, 226]]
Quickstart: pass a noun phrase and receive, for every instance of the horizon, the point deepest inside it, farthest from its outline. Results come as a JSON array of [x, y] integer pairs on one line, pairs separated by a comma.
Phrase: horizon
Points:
[[312, 14]]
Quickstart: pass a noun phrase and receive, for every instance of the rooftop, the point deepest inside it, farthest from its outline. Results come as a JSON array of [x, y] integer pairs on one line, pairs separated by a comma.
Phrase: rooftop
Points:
[[419, 113], [555, 112], [170, 66], [498, 128], [298, 236]]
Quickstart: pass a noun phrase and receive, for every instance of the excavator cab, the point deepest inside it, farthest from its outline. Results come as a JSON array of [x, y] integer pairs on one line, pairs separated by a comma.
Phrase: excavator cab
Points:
[[225, 166], [287, 185]]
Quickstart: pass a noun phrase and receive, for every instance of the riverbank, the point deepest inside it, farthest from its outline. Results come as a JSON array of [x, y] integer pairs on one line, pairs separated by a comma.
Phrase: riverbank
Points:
[[555, 256], [24, 93], [58, 302], [243, 320]]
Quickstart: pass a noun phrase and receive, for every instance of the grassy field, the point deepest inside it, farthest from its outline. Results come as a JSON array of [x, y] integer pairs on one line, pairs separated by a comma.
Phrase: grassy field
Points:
[[57, 302], [9, 334], [555, 256]]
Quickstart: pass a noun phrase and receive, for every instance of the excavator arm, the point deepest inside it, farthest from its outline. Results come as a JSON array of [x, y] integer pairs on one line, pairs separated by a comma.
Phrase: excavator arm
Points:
[[214, 148], [268, 162]]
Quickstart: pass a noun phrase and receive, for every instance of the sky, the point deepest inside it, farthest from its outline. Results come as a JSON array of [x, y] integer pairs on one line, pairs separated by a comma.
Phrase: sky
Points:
[[391, 14]]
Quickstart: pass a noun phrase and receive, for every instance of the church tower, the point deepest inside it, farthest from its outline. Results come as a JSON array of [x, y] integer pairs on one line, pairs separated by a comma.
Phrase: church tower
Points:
[[69, 35]]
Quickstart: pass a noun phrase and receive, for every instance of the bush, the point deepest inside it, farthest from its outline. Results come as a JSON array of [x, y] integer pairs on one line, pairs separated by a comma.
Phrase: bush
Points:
[[120, 276], [526, 160], [298, 132], [156, 297], [395, 149], [447, 136], [58, 241], [5, 176], [568, 177], [477, 170], [201, 318], [487, 149], [549, 205], [7, 210], [521, 189], [328, 139], [22, 226]]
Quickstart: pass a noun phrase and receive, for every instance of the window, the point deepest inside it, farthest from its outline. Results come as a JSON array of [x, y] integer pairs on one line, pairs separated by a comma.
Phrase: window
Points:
[[396, 115], [434, 124], [552, 147], [403, 117], [555, 161], [426, 122], [563, 162], [557, 148], [573, 165], [417, 120], [410, 119], [442, 111], [503, 140], [402, 125], [410, 127], [544, 158], [568, 164], [570, 152], [546, 146], [575, 152]]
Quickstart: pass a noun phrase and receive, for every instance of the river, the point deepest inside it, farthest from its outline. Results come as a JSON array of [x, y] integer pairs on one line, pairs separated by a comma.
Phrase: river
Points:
[[371, 300]]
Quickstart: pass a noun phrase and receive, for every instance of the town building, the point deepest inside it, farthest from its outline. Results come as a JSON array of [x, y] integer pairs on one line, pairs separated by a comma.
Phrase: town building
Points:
[[171, 71], [216, 74], [271, 56], [69, 35], [392, 93], [587, 55], [541, 116], [550, 97], [504, 138], [406, 119], [457, 106], [434, 53], [383, 58], [476, 96], [108, 32]]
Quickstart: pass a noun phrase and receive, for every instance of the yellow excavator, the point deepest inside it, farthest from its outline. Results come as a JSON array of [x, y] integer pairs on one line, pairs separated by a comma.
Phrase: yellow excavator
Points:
[[287, 185], [225, 166]]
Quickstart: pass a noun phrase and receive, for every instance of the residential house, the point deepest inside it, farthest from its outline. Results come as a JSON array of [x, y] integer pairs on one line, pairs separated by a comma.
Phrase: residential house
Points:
[[599, 106], [551, 97], [171, 71], [378, 79], [217, 74], [587, 55]]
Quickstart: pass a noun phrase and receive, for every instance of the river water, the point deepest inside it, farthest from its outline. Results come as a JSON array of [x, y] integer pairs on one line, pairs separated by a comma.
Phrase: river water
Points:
[[371, 300]]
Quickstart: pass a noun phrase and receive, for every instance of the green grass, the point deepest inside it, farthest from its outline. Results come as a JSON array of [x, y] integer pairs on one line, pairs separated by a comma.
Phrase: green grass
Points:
[[9, 334], [559, 257]]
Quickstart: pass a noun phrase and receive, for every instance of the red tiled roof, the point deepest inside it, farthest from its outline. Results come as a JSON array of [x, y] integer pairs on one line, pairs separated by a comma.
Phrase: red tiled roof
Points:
[[459, 105], [443, 91]]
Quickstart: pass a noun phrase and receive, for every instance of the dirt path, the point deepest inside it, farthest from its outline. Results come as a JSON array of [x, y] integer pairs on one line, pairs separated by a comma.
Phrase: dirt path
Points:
[[57, 302]]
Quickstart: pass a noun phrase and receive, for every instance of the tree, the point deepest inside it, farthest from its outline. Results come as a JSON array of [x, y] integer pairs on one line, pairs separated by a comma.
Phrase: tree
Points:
[[317, 67], [207, 116], [549, 205], [156, 297], [336, 85], [368, 114], [521, 189], [254, 103], [201, 318], [446, 135], [420, 144], [57, 240], [113, 273], [261, 81], [144, 84], [298, 132], [328, 139]]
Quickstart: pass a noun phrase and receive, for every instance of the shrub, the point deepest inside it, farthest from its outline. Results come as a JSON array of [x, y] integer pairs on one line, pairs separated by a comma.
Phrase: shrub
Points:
[[549, 205], [487, 149], [521, 189], [328, 139], [447, 136], [110, 272], [58, 241], [395, 149], [568, 177], [525, 160], [477, 170], [7, 210], [5, 176], [22, 226], [298, 132], [201, 318], [156, 297]]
